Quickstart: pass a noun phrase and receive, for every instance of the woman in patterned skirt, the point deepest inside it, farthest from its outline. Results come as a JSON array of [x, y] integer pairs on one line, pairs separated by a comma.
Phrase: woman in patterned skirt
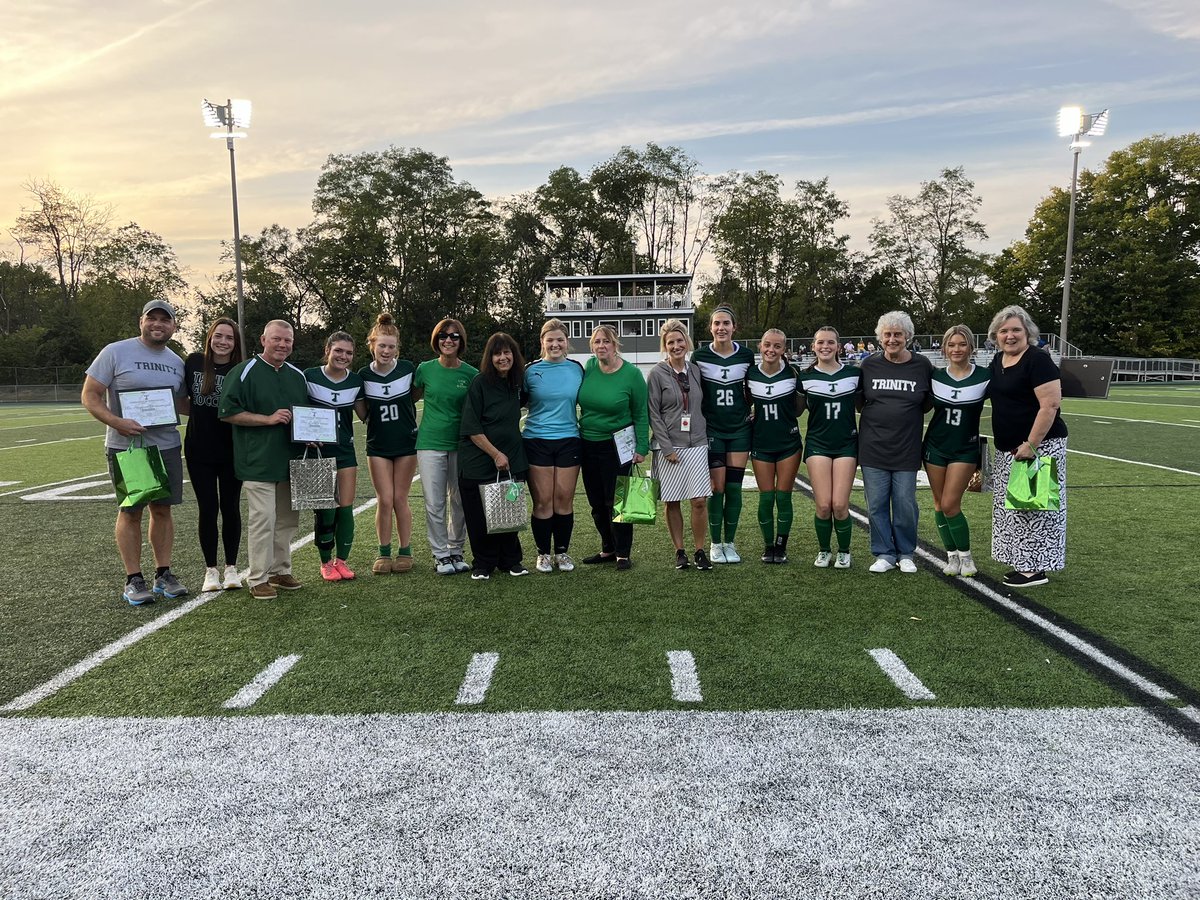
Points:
[[680, 440], [1026, 392]]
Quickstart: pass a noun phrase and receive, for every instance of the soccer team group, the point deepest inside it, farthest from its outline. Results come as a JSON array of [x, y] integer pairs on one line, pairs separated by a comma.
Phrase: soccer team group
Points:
[[703, 413]]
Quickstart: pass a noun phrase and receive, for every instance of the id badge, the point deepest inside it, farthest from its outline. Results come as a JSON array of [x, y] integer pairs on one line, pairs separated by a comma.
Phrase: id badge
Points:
[[685, 423]]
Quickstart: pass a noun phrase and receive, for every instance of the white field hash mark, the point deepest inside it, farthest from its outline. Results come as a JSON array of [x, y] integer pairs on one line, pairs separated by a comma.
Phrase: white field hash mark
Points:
[[478, 679], [895, 669], [263, 682], [685, 683]]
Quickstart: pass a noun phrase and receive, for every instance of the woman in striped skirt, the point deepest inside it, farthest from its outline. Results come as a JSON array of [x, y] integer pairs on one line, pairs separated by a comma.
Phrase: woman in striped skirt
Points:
[[674, 392]]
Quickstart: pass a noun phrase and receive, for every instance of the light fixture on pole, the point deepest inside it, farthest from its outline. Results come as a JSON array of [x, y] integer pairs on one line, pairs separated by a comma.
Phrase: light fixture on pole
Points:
[[1074, 123], [234, 114]]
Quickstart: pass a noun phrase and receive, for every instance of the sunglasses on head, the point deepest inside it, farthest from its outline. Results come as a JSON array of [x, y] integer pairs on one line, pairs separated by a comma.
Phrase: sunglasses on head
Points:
[[449, 336]]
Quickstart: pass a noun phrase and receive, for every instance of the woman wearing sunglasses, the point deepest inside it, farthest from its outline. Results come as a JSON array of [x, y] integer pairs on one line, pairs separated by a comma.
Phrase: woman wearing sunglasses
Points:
[[680, 444], [443, 383]]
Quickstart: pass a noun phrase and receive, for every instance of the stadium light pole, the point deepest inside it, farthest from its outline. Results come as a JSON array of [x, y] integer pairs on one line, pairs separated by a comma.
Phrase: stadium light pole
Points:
[[234, 114], [1073, 122]]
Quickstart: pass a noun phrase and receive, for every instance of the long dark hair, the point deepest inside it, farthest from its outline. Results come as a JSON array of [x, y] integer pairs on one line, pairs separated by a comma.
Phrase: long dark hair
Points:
[[209, 384], [487, 368]]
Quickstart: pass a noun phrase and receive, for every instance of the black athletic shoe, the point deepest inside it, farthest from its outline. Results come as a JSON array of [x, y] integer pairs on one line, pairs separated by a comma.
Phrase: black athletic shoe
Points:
[[1019, 580], [599, 558], [768, 555], [780, 549], [702, 562], [681, 560], [623, 564]]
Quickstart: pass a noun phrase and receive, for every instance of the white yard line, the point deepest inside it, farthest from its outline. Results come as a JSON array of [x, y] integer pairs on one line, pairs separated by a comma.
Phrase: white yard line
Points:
[[1131, 462], [1081, 646], [901, 676], [685, 683], [81, 668], [1123, 419], [42, 487], [478, 679], [263, 682], [93, 437]]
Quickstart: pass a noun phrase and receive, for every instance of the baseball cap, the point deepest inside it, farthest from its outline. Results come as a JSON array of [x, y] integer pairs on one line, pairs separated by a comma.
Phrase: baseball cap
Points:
[[159, 304]]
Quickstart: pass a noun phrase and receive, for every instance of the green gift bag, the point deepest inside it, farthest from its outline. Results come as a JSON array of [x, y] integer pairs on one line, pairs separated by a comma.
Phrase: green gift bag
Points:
[[636, 499], [1033, 484], [141, 475]]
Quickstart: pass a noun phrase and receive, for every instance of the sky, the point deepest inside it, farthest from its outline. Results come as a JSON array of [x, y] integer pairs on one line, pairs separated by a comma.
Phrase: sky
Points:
[[876, 95]]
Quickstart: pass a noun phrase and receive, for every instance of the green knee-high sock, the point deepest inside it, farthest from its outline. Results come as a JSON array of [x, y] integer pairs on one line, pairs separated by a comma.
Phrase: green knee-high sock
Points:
[[323, 532], [943, 530], [783, 502], [716, 514], [844, 528], [824, 529], [733, 509], [960, 531], [766, 516], [344, 531]]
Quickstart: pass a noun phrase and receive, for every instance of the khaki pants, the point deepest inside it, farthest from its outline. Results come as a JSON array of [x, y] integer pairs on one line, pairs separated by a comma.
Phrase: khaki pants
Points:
[[272, 525]]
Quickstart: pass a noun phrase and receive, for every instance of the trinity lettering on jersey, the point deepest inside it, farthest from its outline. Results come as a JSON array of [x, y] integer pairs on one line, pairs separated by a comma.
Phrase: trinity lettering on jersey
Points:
[[155, 367]]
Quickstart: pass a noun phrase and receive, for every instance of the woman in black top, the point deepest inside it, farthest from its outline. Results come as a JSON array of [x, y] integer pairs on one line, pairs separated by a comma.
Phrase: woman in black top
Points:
[[1026, 392], [490, 446], [208, 449]]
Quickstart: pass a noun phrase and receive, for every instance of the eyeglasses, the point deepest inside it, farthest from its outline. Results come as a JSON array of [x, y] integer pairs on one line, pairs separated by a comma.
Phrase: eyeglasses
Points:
[[449, 336]]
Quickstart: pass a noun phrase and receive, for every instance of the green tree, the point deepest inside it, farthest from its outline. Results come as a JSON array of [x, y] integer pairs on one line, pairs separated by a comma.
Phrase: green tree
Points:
[[1135, 288], [28, 294], [926, 241]]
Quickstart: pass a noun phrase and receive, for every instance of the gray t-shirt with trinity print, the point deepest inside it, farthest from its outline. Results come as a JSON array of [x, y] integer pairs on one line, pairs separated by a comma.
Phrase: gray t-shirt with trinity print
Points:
[[131, 365]]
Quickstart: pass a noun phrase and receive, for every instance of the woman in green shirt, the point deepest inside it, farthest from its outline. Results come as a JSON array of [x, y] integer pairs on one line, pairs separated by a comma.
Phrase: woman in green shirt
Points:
[[612, 398], [443, 384], [490, 447]]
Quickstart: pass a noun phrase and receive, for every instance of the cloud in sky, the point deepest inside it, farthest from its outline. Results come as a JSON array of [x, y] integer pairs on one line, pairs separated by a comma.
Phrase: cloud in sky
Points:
[[876, 95]]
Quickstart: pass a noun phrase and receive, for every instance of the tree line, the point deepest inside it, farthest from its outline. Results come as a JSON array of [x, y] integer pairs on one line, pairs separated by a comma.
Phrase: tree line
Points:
[[396, 230]]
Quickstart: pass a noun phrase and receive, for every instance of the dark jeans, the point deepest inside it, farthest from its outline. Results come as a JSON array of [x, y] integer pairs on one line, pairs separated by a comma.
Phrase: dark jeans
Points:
[[600, 467], [217, 491], [490, 551]]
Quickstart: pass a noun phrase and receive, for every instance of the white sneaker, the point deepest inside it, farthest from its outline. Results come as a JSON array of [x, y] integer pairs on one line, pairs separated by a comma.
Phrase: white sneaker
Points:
[[543, 563], [966, 564], [716, 553], [731, 554], [212, 580], [953, 563], [564, 563], [882, 565], [907, 566], [842, 561], [824, 558], [233, 580]]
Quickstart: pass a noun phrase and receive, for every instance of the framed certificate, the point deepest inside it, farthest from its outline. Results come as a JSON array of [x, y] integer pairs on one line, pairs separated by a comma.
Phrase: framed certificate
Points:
[[149, 408], [314, 425]]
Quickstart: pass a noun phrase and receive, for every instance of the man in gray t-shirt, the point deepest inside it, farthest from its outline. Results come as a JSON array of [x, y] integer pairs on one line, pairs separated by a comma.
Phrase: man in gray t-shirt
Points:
[[142, 363]]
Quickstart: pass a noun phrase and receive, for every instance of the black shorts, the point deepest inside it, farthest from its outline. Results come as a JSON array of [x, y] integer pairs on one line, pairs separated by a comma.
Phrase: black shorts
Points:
[[172, 459], [560, 453]]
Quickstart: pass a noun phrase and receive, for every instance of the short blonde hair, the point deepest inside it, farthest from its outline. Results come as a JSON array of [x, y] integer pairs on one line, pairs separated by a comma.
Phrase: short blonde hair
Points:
[[609, 332], [1032, 332], [670, 327]]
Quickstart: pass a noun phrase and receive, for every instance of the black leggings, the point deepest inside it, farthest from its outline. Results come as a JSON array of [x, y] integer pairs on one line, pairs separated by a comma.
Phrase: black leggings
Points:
[[217, 491], [601, 466]]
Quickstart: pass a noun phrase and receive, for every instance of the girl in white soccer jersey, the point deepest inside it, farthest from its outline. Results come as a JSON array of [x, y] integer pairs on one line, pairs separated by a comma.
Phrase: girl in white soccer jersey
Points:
[[334, 386], [951, 449], [831, 445]]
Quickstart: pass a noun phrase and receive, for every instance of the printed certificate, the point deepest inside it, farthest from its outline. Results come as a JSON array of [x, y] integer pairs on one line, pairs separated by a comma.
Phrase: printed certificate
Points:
[[314, 425], [149, 408]]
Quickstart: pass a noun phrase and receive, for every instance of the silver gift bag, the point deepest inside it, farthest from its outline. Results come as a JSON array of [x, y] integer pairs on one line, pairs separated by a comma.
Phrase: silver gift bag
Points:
[[314, 482], [504, 506]]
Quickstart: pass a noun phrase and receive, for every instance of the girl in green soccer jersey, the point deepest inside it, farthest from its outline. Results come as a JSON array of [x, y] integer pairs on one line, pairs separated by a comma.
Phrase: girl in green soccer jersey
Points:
[[951, 448], [723, 365], [772, 390], [333, 385], [831, 445], [391, 442]]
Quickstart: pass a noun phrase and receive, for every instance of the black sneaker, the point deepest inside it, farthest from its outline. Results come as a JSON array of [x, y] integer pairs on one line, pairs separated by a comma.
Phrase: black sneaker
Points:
[[1018, 579], [768, 555], [702, 562], [681, 560], [480, 574], [780, 548], [596, 558], [623, 564], [518, 570]]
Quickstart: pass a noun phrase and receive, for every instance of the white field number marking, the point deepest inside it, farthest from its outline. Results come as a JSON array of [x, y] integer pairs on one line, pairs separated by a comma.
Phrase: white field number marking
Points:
[[895, 669], [685, 683], [263, 682], [478, 679]]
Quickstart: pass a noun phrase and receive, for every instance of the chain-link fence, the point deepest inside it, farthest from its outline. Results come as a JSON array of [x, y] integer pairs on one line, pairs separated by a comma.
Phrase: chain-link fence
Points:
[[44, 384]]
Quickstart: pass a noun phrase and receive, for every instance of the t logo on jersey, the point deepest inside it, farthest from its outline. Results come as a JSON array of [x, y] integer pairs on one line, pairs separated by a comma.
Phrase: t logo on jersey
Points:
[[833, 387], [954, 394], [387, 389], [333, 397], [724, 374], [770, 387]]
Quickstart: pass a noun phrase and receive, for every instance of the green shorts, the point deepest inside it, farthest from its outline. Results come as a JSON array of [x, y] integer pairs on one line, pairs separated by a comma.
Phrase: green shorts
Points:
[[774, 456], [846, 450], [935, 456], [720, 444]]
